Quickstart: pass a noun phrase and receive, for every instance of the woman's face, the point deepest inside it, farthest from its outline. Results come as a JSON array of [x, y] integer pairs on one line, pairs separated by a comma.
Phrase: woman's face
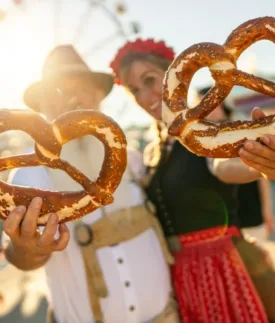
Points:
[[144, 80]]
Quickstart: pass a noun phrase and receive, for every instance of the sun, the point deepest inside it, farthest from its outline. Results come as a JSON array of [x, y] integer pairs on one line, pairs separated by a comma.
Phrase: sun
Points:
[[21, 59]]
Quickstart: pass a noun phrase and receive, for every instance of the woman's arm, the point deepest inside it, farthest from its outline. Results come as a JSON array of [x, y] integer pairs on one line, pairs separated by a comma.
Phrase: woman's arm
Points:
[[260, 155], [233, 171]]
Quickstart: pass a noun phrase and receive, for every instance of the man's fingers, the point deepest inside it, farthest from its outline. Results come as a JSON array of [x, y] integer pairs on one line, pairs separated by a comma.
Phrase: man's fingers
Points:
[[29, 224], [63, 239], [11, 225], [47, 237]]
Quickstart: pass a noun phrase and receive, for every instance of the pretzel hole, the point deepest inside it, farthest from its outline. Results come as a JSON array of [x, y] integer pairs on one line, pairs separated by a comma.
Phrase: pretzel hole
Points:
[[252, 61], [86, 154], [13, 142], [201, 80]]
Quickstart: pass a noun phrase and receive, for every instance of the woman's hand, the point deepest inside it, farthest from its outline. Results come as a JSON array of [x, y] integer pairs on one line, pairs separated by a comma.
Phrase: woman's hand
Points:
[[260, 155]]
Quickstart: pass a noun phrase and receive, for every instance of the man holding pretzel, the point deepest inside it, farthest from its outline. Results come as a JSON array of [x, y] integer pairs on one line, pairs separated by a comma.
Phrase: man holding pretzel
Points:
[[114, 267]]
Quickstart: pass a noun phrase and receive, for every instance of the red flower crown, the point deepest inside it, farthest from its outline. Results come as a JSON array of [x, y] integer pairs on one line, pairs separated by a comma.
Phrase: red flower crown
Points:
[[148, 46]]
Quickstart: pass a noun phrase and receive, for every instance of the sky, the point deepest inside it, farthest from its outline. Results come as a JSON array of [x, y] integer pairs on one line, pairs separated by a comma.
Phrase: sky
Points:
[[29, 31]]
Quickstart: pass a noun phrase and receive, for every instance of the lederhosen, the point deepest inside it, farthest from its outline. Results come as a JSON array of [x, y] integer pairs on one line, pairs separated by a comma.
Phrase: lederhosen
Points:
[[112, 229]]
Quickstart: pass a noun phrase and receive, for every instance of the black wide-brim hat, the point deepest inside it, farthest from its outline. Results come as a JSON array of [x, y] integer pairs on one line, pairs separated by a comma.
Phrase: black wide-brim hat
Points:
[[65, 61]]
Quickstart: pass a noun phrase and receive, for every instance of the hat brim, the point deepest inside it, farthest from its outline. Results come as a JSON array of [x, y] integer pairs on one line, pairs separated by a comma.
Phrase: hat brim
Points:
[[32, 95]]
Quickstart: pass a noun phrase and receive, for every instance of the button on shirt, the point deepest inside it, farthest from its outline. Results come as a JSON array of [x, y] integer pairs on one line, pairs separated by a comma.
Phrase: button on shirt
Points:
[[135, 271]]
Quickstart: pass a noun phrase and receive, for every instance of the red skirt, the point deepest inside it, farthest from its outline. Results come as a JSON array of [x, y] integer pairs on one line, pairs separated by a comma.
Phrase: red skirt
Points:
[[211, 282]]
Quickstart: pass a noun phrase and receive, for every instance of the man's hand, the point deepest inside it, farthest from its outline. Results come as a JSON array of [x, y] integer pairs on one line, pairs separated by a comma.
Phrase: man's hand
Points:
[[28, 248], [260, 155]]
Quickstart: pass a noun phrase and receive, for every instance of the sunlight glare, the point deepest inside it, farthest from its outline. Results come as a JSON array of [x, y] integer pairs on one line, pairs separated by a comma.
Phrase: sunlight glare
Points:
[[20, 60]]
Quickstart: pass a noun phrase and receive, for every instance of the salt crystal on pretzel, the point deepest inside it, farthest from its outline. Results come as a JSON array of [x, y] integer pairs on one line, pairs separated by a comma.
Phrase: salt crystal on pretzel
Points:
[[49, 138], [204, 138]]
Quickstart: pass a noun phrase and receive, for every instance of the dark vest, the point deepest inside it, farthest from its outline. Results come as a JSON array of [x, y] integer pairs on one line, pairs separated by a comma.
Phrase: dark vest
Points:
[[250, 211], [188, 197]]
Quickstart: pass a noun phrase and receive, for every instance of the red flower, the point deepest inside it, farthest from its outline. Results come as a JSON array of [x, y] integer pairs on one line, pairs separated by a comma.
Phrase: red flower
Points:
[[148, 46]]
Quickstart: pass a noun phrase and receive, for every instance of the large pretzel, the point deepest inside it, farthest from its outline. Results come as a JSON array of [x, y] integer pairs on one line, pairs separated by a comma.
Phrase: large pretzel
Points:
[[49, 138], [206, 138]]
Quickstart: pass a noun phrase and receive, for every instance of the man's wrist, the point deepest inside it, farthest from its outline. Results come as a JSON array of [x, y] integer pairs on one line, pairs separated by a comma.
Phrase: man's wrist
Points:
[[23, 259]]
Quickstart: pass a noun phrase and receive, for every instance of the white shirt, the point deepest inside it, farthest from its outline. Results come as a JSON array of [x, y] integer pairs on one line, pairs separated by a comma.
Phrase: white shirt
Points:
[[143, 265]]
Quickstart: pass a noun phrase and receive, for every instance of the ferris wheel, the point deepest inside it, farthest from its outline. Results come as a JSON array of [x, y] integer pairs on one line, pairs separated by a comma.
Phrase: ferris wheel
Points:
[[94, 27]]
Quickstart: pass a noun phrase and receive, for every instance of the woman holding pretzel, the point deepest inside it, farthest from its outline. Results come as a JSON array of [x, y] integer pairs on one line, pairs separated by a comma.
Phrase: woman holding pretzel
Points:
[[196, 202]]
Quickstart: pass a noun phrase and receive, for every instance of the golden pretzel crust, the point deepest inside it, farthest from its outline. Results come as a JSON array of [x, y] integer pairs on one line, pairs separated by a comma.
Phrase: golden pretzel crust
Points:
[[219, 140], [49, 138]]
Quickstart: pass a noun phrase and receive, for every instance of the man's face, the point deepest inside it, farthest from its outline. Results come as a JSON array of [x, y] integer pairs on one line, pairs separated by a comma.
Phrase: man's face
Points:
[[69, 93]]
